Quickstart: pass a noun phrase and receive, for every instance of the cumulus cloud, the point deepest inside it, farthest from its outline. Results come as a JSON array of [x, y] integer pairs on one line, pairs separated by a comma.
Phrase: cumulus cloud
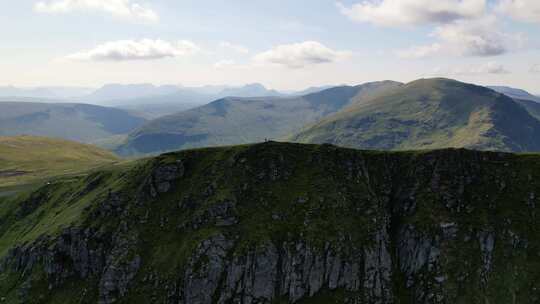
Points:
[[421, 51], [523, 10], [477, 69], [535, 68], [299, 55], [118, 8], [479, 37], [475, 38], [234, 47], [145, 49], [413, 12], [488, 68]]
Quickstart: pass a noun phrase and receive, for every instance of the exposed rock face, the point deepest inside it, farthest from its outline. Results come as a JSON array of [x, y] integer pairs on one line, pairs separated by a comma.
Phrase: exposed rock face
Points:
[[280, 223]]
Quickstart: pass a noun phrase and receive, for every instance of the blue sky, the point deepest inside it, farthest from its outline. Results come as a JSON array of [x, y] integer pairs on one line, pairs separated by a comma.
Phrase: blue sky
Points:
[[282, 44]]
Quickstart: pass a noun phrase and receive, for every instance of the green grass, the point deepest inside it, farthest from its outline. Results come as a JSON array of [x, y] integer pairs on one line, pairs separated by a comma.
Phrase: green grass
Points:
[[322, 196], [79, 122], [29, 159]]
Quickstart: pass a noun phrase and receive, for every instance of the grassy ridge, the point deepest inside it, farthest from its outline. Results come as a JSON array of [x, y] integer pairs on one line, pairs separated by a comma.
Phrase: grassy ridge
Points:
[[431, 114], [26, 159], [284, 193], [78, 122]]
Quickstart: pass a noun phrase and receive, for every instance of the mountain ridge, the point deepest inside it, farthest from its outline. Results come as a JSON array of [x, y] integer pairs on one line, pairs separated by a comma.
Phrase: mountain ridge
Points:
[[430, 113], [280, 223], [72, 121], [234, 120], [515, 93], [28, 159]]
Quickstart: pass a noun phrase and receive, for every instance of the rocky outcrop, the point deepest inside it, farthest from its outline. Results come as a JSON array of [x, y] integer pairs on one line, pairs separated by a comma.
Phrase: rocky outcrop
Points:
[[265, 225]]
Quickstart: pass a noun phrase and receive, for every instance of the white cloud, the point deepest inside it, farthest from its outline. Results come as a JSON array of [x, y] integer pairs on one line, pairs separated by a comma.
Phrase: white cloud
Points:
[[299, 55], [413, 12], [523, 10], [477, 69], [224, 64], [420, 51], [145, 49], [488, 68], [118, 8], [479, 37], [234, 47], [535, 68], [475, 38]]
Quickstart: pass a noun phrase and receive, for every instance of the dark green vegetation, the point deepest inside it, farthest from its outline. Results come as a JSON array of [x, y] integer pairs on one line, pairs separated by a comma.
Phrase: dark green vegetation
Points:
[[29, 159], [428, 114], [280, 223], [78, 122], [243, 120]]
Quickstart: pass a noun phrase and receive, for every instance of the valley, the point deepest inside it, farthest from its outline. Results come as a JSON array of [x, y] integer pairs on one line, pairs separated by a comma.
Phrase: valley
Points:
[[275, 222], [270, 152]]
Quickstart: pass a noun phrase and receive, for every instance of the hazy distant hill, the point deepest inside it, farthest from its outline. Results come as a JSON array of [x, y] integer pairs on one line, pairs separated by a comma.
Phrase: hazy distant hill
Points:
[[427, 114], [155, 101], [311, 90], [147, 99], [78, 122], [242, 120], [249, 90], [515, 93], [157, 106], [117, 92]]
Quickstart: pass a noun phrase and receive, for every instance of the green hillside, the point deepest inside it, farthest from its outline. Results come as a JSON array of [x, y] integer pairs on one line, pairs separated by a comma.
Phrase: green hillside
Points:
[[280, 223], [242, 120], [428, 114], [25, 159], [77, 122], [532, 107]]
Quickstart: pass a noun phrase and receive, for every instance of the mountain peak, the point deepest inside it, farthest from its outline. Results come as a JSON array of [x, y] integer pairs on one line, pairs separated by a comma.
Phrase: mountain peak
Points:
[[430, 113]]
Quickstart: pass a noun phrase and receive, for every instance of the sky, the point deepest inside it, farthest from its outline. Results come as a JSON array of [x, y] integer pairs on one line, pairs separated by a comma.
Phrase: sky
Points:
[[283, 44]]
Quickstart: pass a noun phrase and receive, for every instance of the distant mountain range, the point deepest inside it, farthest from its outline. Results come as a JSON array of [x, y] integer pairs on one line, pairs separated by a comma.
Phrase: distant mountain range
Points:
[[78, 122], [515, 93], [235, 120], [115, 92], [150, 100], [168, 100], [425, 114]]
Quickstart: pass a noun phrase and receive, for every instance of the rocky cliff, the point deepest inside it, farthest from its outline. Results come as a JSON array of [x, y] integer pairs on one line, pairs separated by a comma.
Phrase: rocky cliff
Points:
[[280, 223]]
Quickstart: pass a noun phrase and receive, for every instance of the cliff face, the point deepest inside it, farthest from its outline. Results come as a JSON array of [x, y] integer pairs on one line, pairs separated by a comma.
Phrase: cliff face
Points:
[[281, 223]]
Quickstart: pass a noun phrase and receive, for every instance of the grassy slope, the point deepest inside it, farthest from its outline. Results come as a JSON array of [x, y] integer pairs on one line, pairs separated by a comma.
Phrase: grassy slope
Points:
[[532, 107], [25, 159], [428, 114], [241, 120], [77, 122], [337, 200]]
